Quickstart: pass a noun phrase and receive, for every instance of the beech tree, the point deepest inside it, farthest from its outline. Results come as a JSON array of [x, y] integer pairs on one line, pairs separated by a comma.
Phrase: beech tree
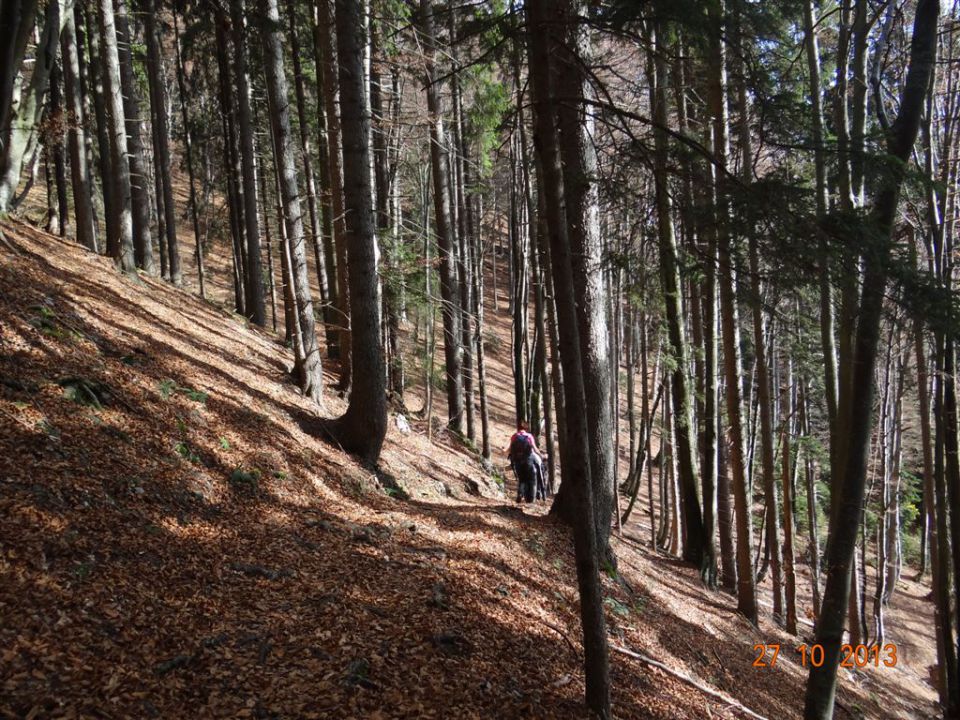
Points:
[[724, 230]]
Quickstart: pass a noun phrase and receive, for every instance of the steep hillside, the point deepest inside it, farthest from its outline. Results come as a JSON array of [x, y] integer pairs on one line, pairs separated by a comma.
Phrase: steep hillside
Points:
[[174, 544]]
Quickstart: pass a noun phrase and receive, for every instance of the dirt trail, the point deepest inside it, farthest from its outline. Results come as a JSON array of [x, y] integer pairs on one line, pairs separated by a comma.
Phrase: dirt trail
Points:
[[174, 544]]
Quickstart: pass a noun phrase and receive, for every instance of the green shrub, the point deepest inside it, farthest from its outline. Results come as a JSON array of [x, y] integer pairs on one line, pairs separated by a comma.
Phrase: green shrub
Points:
[[241, 479]]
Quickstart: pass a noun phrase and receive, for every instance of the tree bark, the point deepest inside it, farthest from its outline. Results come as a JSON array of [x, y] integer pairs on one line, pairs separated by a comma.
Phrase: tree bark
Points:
[[139, 182], [17, 21], [253, 281], [316, 239], [746, 586], [60, 218], [79, 171], [188, 151], [233, 163], [19, 122], [120, 224], [446, 233], [545, 37], [362, 428], [850, 483], [96, 70], [334, 164], [158, 98], [308, 369], [697, 548]]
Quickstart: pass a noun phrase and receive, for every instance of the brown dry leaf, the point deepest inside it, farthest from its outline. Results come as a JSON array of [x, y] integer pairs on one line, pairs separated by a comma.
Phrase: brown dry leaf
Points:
[[121, 526]]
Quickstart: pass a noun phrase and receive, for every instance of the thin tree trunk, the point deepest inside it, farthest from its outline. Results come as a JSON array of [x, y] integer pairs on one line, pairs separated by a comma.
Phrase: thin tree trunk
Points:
[[811, 488], [139, 188], [820, 165], [518, 291], [746, 587], [271, 273], [850, 482], [331, 308], [120, 223], [766, 435], [96, 87], [446, 234], [697, 547], [478, 311], [158, 94], [725, 516], [335, 163], [253, 282], [789, 575], [79, 171], [305, 153], [309, 371], [20, 121], [56, 116], [946, 651], [460, 177], [233, 163], [188, 151]]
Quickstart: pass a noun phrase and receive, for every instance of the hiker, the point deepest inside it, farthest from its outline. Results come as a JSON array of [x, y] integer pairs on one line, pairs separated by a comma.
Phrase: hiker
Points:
[[526, 463]]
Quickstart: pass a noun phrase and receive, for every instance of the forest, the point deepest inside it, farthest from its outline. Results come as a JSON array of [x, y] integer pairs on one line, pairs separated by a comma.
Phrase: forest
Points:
[[279, 281]]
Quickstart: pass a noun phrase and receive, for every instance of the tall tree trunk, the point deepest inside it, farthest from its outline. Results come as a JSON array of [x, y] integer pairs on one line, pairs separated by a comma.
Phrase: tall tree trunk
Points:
[[790, 577], [17, 22], [139, 182], [308, 368], [188, 151], [362, 428], [79, 171], [820, 164], [464, 266], [288, 301], [545, 39], [765, 397], [335, 175], [387, 212], [746, 586], [231, 146], [253, 282], [446, 233], [519, 292], [729, 576], [56, 125], [96, 87], [158, 98], [697, 547], [767, 452], [120, 224], [811, 487], [19, 121], [291, 323], [316, 240], [478, 311], [576, 143], [850, 483], [946, 651]]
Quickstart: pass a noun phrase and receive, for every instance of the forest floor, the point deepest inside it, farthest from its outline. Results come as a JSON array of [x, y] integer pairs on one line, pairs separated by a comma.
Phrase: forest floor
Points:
[[174, 544]]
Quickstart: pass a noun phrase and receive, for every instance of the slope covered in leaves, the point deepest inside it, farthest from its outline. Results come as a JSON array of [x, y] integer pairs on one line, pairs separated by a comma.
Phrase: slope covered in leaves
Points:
[[173, 543]]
